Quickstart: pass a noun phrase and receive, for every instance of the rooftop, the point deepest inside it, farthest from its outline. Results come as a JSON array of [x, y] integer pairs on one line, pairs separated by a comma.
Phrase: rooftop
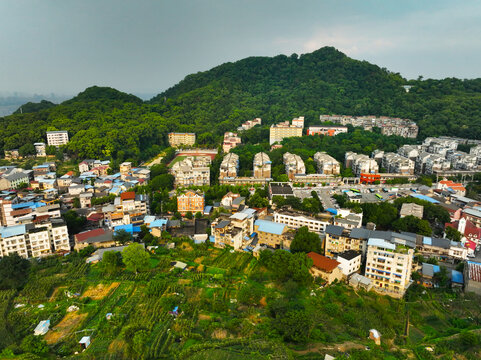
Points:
[[322, 262], [270, 227]]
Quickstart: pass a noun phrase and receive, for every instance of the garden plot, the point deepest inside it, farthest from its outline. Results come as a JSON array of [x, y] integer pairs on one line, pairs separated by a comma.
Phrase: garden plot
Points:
[[100, 291], [69, 323]]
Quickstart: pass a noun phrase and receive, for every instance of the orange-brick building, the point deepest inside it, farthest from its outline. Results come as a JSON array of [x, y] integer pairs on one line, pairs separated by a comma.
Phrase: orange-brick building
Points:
[[369, 178], [190, 201]]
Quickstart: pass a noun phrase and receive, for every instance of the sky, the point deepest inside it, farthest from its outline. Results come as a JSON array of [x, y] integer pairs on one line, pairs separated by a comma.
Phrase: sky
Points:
[[146, 46]]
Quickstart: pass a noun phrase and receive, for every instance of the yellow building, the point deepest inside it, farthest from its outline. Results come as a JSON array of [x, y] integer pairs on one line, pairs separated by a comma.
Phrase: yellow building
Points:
[[389, 266], [177, 139], [283, 130], [274, 235], [338, 240], [190, 201]]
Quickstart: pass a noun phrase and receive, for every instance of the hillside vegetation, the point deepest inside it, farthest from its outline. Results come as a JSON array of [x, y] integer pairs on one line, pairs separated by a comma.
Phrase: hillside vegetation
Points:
[[103, 122]]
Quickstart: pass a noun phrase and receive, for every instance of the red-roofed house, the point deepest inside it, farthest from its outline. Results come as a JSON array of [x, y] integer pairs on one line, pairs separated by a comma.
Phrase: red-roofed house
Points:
[[98, 238], [458, 188], [327, 269]]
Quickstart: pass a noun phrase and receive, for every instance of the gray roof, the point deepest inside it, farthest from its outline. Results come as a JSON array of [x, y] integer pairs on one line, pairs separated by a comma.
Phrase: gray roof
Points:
[[222, 224], [16, 176], [334, 230], [349, 254]]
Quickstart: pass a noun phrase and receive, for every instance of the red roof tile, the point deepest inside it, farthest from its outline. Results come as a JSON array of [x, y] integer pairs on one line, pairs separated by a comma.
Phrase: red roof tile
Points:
[[88, 234], [323, 263], [129, 195]]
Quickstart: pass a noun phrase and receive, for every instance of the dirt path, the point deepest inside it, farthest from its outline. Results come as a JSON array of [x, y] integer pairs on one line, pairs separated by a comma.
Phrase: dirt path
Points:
[[55, 293], [100, 291], [318, 347]]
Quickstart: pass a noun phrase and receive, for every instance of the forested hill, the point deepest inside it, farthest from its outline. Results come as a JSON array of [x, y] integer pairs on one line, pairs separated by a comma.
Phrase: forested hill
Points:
[[325, 81], [106, 123]]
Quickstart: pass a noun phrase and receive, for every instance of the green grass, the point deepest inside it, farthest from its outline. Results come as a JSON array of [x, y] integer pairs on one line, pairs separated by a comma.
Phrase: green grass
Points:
[[177, 159]]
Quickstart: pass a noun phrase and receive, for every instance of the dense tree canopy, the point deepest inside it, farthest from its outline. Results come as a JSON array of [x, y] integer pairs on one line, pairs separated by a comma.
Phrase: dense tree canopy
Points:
[[106, 123]]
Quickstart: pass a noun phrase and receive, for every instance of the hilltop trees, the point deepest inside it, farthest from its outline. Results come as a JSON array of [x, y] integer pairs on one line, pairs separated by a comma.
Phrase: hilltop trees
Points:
[[136, 258]]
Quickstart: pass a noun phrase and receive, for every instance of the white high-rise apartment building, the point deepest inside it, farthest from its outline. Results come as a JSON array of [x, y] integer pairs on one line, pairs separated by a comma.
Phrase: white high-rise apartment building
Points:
[[57, 138]]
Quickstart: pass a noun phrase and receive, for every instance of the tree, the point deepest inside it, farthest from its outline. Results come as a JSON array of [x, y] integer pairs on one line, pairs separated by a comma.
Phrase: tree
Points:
[[306, 241], [34, 344], [188, 215], [75, 223], [294, 325], [257, 201], [198, 215], [111, 262], [136, 258], [27, 149], [453, 234], [50, 150], [13, 272], [76, 203], [122, 236], [163, 181]]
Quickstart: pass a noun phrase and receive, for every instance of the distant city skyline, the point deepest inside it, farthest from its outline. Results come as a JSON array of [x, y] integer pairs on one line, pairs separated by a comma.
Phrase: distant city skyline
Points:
[[144, 47]]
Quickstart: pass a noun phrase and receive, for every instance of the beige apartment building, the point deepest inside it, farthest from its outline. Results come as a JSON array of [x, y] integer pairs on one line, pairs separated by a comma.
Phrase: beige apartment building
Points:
[[326, 164], [229, 166], [190, 201], [338, 240], [389, 266], [192, 171], [262, 166], [283, 130], [177, 139], [296, 220], [34, 240]]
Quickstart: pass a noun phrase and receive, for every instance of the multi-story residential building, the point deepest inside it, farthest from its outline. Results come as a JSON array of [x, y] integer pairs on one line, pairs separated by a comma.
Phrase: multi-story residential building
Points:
[[338, 240], [409, 151], [451, 186], [57, 138], [192, 171], [293, 164], [283, 130], [98, 238], [125, 167], [280, 189], [234, 230], [14, 180], [13, 213], [378, 155], [177, 139], [272, 234], [229, 166], [326, 164], [249, 124], [299, 122], [420, 162], [349, 262], [190, 201], [436, 163], [361, 163], [326, 130], [397, 164], [34, 239], [85, 200], [128, 208], [441, 249], [231, 140], [40, 149], [389, 126], [439, 145], [262, 166], [389, 266], [295, 220]]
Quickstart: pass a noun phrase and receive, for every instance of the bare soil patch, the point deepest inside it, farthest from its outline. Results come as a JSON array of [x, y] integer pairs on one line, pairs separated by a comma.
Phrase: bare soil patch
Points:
[[100, 291], [55, 293], [68, 324]]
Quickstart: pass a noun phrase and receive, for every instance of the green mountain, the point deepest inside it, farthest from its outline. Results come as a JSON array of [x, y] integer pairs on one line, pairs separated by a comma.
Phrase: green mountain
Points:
[[34, 107], [104, 122]]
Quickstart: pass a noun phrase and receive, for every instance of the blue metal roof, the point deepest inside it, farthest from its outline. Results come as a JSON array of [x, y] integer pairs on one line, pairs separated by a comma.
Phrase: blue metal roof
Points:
[[457, 277], [9, 231], [427, 240], [270, 227], [129, 228], [381, 243], [425, 198], [158, 223], [332, 211]]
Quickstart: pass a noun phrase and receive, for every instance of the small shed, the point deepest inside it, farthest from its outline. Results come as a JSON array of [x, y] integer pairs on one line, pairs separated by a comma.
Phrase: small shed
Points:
[[180, 265], [375, 335], [42, 327], [108, 316], [85, 342]]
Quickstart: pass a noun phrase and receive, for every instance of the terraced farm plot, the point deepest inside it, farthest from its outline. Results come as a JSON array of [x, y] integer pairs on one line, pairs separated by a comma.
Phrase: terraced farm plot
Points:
[[100, 291], [69, 323]]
